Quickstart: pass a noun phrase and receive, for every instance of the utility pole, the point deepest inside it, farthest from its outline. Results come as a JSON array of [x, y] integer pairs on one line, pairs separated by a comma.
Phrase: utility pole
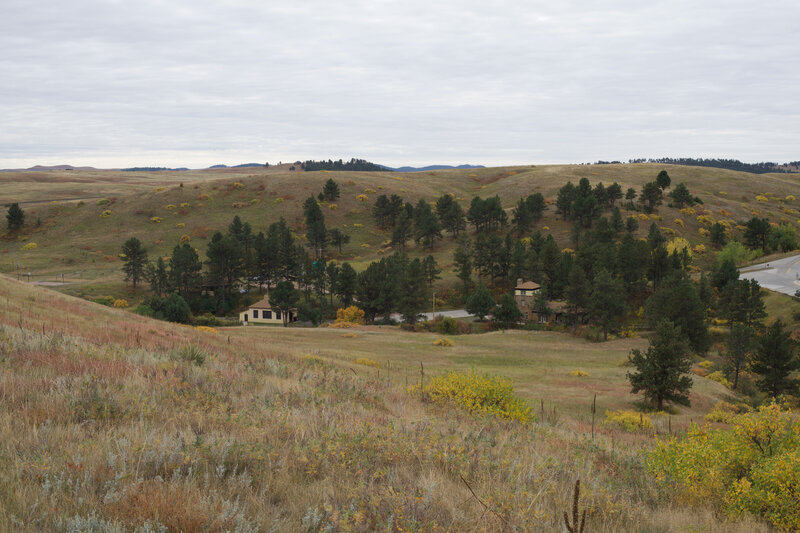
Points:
[[433, 299]]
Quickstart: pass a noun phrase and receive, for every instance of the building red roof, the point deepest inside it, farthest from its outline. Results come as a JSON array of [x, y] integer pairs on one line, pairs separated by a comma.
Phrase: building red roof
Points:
[[528, 286]]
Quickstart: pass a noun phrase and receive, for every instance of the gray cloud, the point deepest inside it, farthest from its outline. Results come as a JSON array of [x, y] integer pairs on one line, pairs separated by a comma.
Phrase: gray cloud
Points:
[[112, 83]]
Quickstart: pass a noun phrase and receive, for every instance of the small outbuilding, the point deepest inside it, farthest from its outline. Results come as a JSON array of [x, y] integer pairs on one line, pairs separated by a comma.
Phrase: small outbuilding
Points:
[[262, 312]]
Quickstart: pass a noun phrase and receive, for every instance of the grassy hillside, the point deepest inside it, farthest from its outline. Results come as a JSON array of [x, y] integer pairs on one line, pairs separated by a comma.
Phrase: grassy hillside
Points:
[[111, 421], [75, 239]]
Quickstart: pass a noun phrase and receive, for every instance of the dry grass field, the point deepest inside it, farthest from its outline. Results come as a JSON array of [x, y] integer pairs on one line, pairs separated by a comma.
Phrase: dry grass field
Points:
[[113, 422]]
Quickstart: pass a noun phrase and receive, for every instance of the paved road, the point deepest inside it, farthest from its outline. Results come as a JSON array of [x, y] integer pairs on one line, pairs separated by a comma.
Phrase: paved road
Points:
[[782, 275], [455, 313]]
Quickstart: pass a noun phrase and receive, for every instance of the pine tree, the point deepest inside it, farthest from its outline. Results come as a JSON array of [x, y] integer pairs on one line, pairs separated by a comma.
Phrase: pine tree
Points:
[[660, 371], [330, 190], [507, 313], [413, 291], [741, 344], [432, 270], [462, 262], [677, 300], [284, 297], [663, 180], [345, 286], [15, 216], [606, 301], [134, 258], [480, 303], [774, 361], [184, 268], [576, 293], [156, 274]]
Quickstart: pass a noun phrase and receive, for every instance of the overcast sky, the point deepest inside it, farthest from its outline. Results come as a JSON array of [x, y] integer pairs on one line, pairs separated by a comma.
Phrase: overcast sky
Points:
[[196, 83]]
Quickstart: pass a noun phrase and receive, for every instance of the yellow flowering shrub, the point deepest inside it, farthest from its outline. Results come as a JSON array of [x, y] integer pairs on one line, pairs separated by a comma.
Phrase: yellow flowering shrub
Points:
[[688, 211], [761, 198], [354, 211], [277, 200], [722, 412], [720, 378], [643, 217], [180, 225], [159, 189], [366, 362], [352, 315], [156, 220], [704, 232], [679, 222], [706, 364], [705, 220], [628, 420], [653, 216], [369, 191], [333, 207], [753, 467], [349, 335], [362, 198], [790, 198], [577, 373], [237, 185], [255, 201], [121, 302], [203, 197], [107, 213], [30, 246], [185, 238], [169, 207], [546, 228], [445, 343], [366, 245], [699, 249], [237, 205], [207, 329], [184, 204], [678, 244], [103, 201], [357, 225], [477, 393]]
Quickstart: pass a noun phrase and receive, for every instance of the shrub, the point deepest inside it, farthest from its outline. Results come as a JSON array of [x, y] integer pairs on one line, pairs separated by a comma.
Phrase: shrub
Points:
[[688, 211], [184, 204], [699, 249], [720, 378], [446, 343], [350, 315], [790, 198], [30, 246], [176, 309], [207, 329], [103, 201], [478, 393], [169, 207], [722, 412], [362, 198], [105, 300], [237, 185], [753, 467], [762, 198], [333, 207], [579, 373], [447, 326], [203, 197], [680, 222], [237, 205], [706, 364], [255, 201], [185, 238], [106, 213], [369, 191], [121, 303], [207, 319], [191, 354], [180, 225], [628, 420], [156, 220], [366, 362]]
